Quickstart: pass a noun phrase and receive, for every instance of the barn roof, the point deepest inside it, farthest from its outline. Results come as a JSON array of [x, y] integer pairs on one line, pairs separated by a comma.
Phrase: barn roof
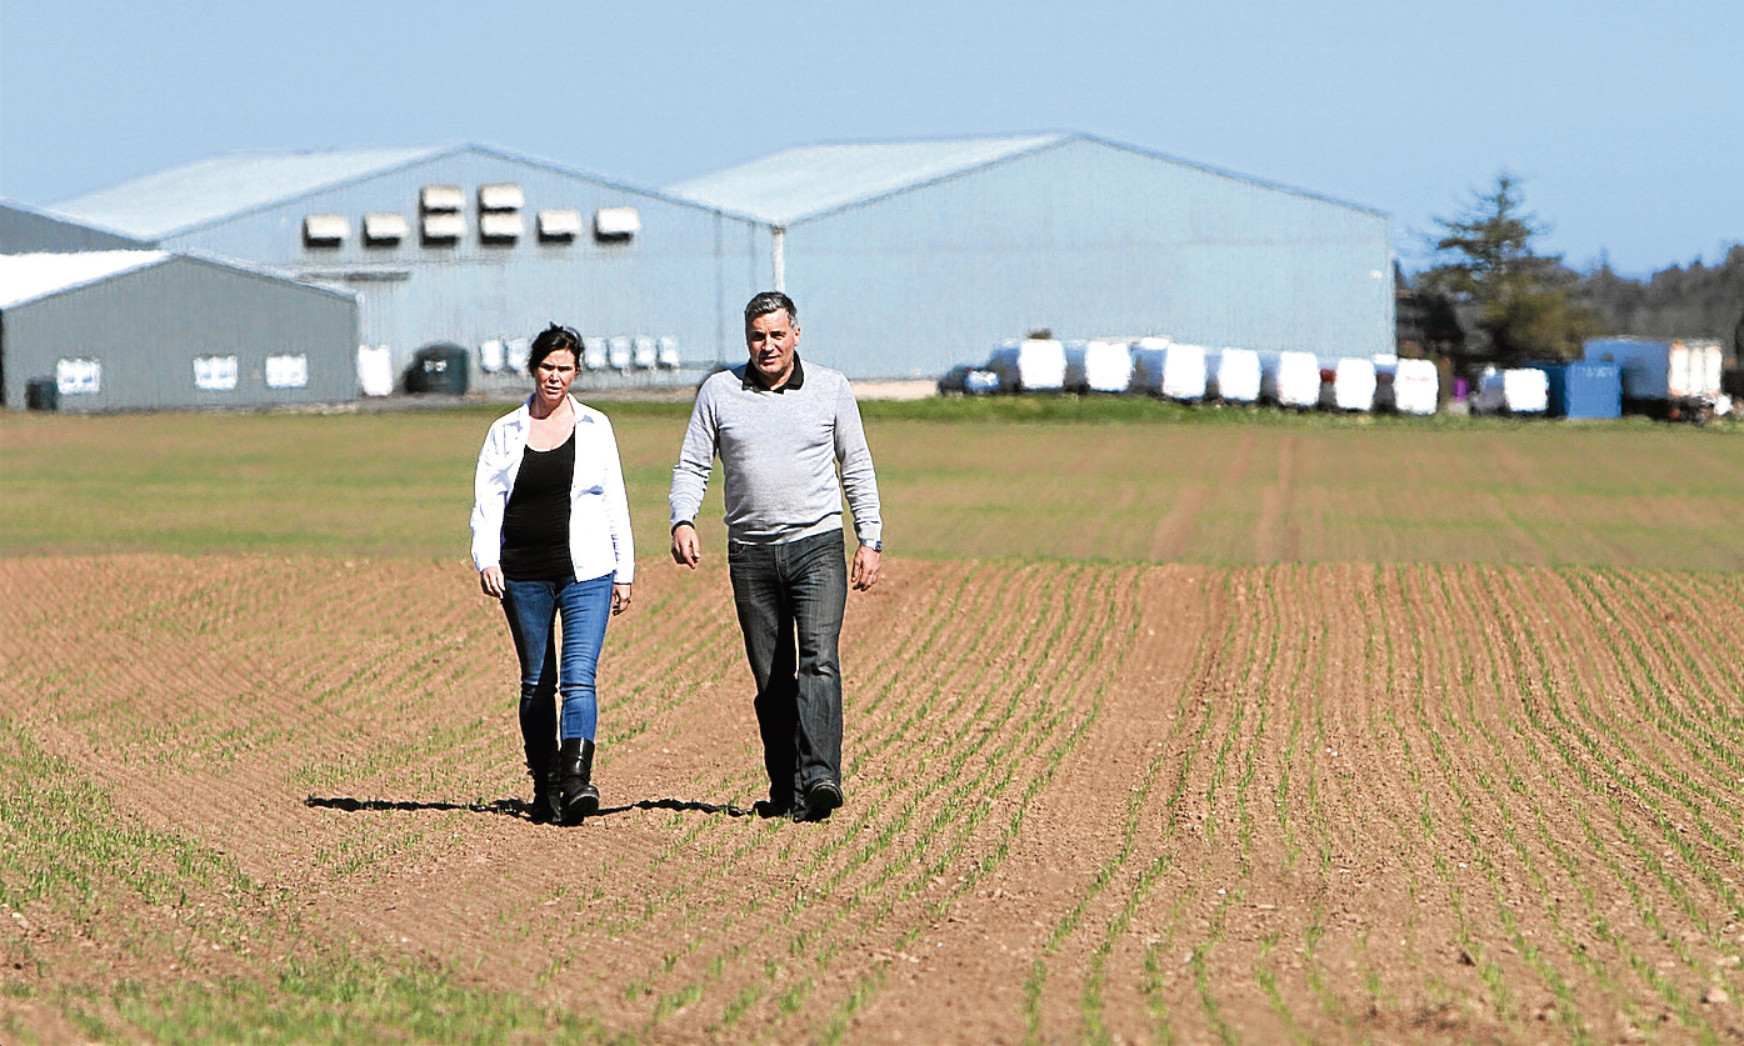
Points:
[[796, 184], [27, 277], [219, 187], [26, 230]]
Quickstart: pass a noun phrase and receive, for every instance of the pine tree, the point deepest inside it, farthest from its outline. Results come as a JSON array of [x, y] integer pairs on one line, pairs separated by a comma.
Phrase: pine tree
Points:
[[1522, 298]]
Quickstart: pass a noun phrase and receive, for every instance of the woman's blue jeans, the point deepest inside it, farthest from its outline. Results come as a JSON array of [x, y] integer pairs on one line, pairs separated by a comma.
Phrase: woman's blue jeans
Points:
[[533, 609]]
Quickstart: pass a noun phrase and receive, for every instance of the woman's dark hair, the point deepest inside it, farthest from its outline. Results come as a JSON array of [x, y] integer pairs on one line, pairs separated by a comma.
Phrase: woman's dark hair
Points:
[[555, 338]]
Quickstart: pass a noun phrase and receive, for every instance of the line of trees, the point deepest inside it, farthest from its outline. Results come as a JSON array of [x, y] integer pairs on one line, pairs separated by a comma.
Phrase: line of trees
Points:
[[1494, 298]]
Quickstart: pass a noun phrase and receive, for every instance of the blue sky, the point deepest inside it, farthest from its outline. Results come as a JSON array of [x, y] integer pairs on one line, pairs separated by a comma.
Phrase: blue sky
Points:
[[1623, 118]]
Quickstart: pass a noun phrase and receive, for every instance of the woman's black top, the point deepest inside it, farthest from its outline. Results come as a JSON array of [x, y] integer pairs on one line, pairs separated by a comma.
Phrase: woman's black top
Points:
[[536, 519]]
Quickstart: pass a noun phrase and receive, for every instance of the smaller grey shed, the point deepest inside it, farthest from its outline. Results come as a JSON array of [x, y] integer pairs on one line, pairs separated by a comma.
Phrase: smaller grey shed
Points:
[[152, 330]]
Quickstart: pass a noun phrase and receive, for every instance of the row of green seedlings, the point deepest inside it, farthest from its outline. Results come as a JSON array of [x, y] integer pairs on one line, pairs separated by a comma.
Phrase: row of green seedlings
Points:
[[868, 800], [1037, 783], [908, 860], [1704, 590], [1308, 676], [1311, 677], [1698, 798], [1505, 676], [1502, 677], [458, 749], [1603, 786], [706, 845], [1522, 655], [1468, 935], [1261, 645], [1574, 871], [704, 652], [690, 846], [75, 869], [1309, 654], [998, 769], [1310, 664], [1657, 771], [791, 1001], [1197, 686]]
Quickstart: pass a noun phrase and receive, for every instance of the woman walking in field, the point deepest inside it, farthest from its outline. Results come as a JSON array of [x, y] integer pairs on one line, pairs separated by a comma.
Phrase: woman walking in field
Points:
[[551, 537]]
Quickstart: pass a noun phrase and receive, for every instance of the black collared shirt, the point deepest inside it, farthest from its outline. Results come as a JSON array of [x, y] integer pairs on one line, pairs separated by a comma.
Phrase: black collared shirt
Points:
[[754, 380]]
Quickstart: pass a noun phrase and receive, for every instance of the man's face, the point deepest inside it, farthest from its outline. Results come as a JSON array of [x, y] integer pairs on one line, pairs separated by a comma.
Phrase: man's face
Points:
[[772, 337]]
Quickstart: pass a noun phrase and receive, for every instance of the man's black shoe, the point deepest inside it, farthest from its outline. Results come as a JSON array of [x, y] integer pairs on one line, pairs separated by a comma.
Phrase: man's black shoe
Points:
[[820, 799]]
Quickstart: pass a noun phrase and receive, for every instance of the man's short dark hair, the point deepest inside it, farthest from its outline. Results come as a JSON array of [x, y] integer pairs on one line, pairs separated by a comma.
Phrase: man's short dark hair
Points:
[[767, 302]]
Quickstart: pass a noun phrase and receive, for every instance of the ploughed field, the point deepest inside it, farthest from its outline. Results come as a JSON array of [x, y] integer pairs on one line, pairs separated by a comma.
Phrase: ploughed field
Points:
[[1302, 761]]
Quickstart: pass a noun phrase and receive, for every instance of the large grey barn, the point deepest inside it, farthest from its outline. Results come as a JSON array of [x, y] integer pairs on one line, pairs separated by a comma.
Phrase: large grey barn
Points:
[[149, 330], [465, 245], [905, 257], [908, 257]]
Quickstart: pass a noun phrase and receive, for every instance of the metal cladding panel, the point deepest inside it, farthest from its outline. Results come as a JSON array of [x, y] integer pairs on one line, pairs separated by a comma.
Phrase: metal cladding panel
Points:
[[685, 275], [148, 326], [1087, 239]]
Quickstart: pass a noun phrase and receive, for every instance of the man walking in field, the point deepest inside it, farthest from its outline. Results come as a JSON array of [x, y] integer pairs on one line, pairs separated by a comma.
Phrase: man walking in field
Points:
[[781, 429]]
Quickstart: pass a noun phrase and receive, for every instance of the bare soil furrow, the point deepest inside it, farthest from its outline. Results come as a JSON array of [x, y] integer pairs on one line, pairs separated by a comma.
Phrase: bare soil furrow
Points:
[[1614, 835]]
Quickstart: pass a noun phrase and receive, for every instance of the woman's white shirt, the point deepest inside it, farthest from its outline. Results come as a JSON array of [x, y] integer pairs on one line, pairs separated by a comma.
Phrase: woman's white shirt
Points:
[[599, 513]]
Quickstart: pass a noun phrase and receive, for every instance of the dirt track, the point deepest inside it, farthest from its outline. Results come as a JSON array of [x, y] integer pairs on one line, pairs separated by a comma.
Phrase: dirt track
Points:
[[1289, 803]]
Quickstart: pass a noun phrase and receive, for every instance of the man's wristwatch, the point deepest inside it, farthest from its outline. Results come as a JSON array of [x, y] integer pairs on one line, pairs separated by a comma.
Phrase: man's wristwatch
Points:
[[876, 546]]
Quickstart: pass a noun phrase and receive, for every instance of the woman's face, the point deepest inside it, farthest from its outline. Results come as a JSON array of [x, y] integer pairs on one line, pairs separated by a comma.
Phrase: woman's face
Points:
[[553, 376]]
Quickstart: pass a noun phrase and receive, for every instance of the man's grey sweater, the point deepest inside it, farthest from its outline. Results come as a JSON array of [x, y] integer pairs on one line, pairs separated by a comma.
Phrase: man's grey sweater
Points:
[[779, 450]]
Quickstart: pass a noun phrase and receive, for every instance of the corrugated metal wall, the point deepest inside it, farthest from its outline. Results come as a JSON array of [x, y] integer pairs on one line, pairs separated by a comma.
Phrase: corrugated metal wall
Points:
[[685, 275], [1087, 239], [148, 326]]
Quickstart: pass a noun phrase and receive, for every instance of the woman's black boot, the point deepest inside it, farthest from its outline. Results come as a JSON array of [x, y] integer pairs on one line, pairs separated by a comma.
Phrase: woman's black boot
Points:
[[548, 789], [544, 766], [580, 798]]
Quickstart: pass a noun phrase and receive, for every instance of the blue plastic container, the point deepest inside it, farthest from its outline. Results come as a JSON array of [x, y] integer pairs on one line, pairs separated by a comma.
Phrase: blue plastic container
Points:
[[1584, 390]]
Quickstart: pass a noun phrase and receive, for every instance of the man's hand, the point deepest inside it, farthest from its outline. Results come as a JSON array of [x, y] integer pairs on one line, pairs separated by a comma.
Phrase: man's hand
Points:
[[620, 599], [865, 572], [490, 582], [686, 550]]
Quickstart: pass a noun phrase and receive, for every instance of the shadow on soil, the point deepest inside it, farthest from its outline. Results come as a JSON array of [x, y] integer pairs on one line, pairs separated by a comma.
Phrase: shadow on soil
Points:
[[519, 808]]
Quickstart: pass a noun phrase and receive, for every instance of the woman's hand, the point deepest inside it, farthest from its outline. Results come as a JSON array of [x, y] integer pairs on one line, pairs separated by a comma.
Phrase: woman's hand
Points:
[[490, 582], [620, 598]]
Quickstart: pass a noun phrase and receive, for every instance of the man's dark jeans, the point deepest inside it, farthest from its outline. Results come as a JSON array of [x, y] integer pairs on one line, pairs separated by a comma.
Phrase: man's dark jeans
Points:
[[786, 593]]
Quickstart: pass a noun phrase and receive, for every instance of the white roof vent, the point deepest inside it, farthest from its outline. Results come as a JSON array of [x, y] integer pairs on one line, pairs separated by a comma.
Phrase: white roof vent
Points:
[[325, 230], [444, 227], [560, 225], [616, 223], [433, 199], [500, 226], [381, 229], [500, 196]]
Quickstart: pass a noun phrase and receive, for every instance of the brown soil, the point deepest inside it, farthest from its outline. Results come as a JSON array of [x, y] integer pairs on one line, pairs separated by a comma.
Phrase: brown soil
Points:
[[1271, 804]]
